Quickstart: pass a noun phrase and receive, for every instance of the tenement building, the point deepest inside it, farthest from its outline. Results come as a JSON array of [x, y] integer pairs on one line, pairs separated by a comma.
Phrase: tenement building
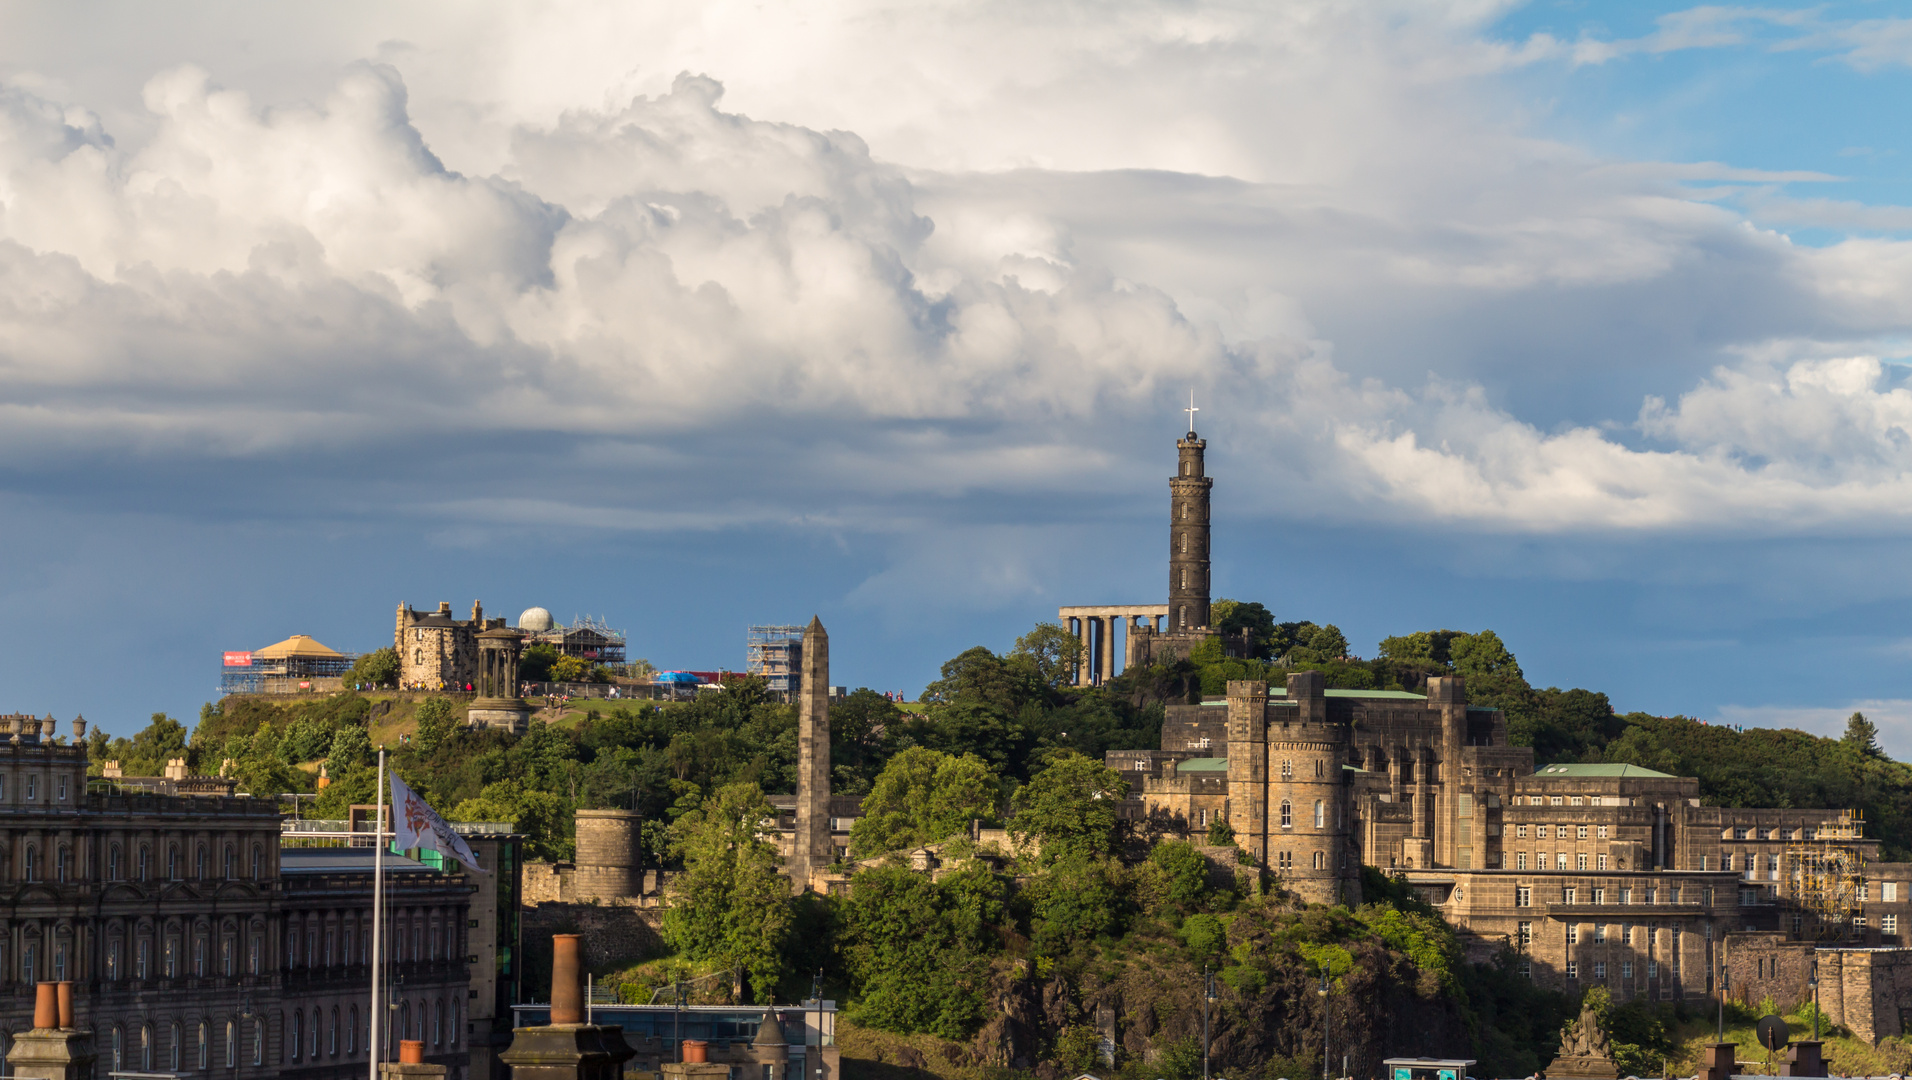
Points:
[[191, 942], [1610, 875]]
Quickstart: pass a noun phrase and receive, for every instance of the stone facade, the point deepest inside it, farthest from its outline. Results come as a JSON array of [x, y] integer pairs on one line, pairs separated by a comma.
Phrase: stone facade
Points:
[[812, 853], [436, 651]]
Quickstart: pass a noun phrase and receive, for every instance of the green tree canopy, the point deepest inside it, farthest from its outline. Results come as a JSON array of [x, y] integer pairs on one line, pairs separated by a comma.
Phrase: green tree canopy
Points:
[[1235, 616], [1862, 736], [534, 663], [1052, 650], [923, 795], [1070, 808], [729, 904], [376, 668]]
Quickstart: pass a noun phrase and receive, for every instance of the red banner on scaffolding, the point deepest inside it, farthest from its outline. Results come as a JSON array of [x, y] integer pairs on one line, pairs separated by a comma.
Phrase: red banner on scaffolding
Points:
[[238, 659]]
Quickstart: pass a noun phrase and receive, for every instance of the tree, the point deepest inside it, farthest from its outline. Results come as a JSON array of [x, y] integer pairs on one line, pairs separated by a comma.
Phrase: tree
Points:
[[161, 741], [540, 815], [922, 796], [1053, 650], [1320, 645], [570, 669], [863, 728], [1483, 654], [376, 668], [534, 664], [1220, 832], [1235, 616], [437, 723], [1069, 807], [919, 947], [729, 905], [1862, 736], [350, 747]]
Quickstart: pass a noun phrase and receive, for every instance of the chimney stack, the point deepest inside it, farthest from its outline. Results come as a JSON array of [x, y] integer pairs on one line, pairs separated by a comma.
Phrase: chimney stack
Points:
[[567, 981]]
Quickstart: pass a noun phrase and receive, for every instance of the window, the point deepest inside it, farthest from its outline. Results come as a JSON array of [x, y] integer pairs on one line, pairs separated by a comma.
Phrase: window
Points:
[[1573, 933], [1287, 770], [205, 1045], [172, 864], [113, 863], [1703, 862], [145, 949], [1553, 800], [1599, 970], [1626, 896], [1652, 895], [1603, 862], [225, 955], [1527, 969], [351, 1033], [31, 865], [1739, 832], [1560, 860], [252, 955], [1673, 894], [1579, 801], [1287, 812], [231, 865], [1889, 892], [1319, 860], [1540, 832], [1889, 924], [1581, 832], [1603, 832], [59, 963], [1520, 860], [1726, 861], [1573, 969], [1652, 969], [232, 1044], [199, 862], [29, 961], [199, 958], [1580, 861], [298, 1035], [1865, 892], [332, 1034], [1523, 896], [1568, 895], [146, 1046], [1321, 817], [169, 961], [1599, 896], [258, 860], [1520, 831], [317, 1020], [119, 1049], [258, 1041], [33, 786], [62, 789], [438, 1023], [1285, 861], [113, 959], [1626, 969], [1599, 933], [143, 853], [1525, 934]]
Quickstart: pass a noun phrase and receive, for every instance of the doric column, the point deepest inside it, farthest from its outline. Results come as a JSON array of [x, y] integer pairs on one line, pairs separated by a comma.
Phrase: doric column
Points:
[[1108, 647], [1087, 638]]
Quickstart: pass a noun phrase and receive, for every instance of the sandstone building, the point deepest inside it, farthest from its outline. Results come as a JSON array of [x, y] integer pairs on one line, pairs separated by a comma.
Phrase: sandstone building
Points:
[[1608, 875], [437, 651]]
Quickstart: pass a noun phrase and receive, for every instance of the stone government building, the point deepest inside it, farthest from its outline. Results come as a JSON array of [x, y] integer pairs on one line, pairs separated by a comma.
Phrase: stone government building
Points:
[[200, 935], [1596, 874]]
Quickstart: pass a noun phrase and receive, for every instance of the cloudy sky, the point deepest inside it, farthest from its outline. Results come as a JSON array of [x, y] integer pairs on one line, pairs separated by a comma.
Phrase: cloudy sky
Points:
[[1587, 323]]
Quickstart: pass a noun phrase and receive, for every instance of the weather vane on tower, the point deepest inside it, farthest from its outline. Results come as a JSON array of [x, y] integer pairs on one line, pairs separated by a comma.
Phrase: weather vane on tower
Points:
[[1191, 410]]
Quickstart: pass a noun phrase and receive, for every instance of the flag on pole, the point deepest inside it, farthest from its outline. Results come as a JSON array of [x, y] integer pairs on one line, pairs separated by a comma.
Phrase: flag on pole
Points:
[[417, 825]]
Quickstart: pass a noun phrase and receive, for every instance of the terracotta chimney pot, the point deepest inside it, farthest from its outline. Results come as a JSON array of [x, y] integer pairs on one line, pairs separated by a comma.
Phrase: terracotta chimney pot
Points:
[[64, 998], [411, 1052], [696, 1051], [567, 981], [46, 1008]]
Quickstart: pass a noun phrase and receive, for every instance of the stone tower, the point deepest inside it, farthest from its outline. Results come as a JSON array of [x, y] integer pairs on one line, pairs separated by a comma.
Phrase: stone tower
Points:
[[1310, 818], [1248, 766], [1188, 538], [810, 853]]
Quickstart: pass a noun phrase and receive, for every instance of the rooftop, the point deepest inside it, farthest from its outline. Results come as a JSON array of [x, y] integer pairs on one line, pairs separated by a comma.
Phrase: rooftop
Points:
[[343, 860], [1203, 764], [298, 645], [1601, 772]]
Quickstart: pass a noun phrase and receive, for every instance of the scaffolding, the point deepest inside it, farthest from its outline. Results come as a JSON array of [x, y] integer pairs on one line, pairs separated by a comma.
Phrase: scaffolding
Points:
[[774, 652], [1825, 873]]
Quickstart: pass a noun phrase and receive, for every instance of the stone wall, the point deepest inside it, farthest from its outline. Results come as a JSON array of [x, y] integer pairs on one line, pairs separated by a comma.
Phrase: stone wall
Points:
[[615, 936], [1862, 989], [1768, 965]]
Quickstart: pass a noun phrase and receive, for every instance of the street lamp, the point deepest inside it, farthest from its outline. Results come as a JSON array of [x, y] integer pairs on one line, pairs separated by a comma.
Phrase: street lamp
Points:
[[1208, 999], [1324, 1022], [677, 1021], [816, 995]]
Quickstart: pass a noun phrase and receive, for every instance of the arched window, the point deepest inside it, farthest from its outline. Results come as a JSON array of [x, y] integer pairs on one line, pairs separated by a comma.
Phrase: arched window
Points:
[[258, 863], [1184, 577], [1184, 543], [199, 958], [1287, 769], [119, 1049], [332, 1034], [292, 946], [252, 954], [232, 1044], [258, 1041], [298, 1031], [1287, 815], [438, 1022], [144, 859], [146, 1047], [205, 1045], [405, 1020], [1321, 815], [29, 963], [172, 863], [176, 1047], [59, 962], [1320, 861], [113, 959], [225, 955], [1181, 616], [1184, 511], [145, 959], [231, 865], [169, 960], [351, 1033], [454, 1021], [113, 863], [1320, 769], [199, 862], [317, 1020], [31, 864]]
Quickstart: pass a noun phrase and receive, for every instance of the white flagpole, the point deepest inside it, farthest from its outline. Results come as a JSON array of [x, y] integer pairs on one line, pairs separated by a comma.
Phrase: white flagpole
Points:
[[378, 913]]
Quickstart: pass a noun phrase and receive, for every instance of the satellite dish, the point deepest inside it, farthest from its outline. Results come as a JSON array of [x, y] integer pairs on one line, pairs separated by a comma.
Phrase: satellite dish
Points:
[[1774, 1034]]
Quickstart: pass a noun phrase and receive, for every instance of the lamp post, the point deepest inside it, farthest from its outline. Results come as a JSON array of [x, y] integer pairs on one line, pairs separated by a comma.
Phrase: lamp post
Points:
[[1208, 999], [816, 996], [1324, 1023], [1814, 982], [1724, 980]]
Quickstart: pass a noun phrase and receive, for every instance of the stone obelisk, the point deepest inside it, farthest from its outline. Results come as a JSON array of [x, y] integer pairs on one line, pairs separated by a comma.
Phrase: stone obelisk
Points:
[[810, 849]]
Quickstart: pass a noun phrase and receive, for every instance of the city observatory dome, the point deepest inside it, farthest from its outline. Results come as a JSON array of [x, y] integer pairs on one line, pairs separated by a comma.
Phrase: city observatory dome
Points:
[[537, 620]]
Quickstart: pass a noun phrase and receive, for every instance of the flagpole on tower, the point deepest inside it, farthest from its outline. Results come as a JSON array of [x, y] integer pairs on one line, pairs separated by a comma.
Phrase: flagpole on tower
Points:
[[378, 912]]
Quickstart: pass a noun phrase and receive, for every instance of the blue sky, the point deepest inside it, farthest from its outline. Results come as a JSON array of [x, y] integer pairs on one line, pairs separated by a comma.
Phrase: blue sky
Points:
[[1581, 322]]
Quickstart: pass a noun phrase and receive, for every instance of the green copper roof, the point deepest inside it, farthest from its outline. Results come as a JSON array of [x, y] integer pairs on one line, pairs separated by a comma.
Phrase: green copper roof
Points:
[[1203, 764], [1390, 695], [1588, 772]]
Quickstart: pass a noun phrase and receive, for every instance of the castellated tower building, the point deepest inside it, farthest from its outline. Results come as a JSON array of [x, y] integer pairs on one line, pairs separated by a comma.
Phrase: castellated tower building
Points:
[[1289, 790]]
